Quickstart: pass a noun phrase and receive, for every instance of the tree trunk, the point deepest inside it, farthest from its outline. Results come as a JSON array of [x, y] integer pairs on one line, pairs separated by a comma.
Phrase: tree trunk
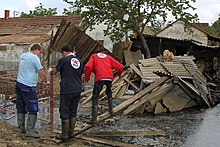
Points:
[[146, 48]]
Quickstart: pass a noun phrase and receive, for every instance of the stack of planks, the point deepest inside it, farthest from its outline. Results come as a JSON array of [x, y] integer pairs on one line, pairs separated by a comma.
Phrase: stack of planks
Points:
[[158, 86]]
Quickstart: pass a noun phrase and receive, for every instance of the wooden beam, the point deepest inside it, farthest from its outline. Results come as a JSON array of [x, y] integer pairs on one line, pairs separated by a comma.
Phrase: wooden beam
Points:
[[128, 133], [129, 82], [136, 70], [107, 142]]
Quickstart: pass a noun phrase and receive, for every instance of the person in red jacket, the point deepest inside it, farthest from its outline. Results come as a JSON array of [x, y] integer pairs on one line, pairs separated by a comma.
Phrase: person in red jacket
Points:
[[101, 65]]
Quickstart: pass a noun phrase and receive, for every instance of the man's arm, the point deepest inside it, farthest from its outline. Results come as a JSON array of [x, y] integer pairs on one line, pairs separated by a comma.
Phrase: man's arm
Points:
[[53, 71], [42, 75], [117, 66]]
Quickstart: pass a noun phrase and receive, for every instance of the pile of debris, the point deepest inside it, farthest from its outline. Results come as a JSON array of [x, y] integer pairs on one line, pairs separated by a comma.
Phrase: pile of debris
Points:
[[156, 85]]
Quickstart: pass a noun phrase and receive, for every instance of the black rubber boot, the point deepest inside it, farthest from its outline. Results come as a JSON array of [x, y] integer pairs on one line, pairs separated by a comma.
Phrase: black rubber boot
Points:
[[30, 132], [72, 124], [65, 130], [21, 122], [93, 120], [110, 107]]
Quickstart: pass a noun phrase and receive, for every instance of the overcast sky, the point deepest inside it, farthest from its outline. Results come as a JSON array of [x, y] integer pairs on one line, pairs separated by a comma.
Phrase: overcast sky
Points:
[[207, 10]]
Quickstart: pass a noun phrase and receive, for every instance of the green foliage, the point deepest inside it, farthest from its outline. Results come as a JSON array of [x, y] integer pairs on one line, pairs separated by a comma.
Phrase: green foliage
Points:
[[140, 12], [215, 28], [40, 11], [72, 10]]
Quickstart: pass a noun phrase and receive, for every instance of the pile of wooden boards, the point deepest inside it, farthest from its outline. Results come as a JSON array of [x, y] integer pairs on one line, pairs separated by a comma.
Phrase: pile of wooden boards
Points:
[[157, 86]]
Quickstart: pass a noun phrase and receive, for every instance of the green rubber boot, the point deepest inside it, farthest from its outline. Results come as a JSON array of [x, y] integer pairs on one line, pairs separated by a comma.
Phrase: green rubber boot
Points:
[[30, 132], [72, 124], [21, 122], [65, 130], [93, 120]]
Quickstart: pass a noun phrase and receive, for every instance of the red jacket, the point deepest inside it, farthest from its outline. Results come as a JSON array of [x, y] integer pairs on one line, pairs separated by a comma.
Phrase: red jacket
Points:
[[101, 65]]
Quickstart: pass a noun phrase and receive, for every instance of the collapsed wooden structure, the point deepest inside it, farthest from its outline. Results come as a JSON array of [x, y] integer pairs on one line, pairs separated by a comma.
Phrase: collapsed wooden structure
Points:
[[178, 84]]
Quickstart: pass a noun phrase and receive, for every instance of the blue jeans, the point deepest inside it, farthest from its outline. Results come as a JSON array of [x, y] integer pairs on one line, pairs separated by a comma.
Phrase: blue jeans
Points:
[[26, 99]]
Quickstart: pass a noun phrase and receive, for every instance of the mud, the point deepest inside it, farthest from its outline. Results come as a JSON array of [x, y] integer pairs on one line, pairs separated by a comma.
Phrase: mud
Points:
[[188, 128]]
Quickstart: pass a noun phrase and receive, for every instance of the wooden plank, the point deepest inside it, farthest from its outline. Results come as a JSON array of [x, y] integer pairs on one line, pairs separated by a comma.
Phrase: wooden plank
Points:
[[202, 92], [149, 107], [107, 142], [136, 70], [120, 83], [124, 87], [128, 133], [129, 82], [159, 108], [176, 99], [190, 104], [158, 94], [141, 109]]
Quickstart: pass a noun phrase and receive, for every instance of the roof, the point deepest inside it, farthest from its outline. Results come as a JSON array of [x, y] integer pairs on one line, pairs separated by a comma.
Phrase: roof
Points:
[[203, 27], [70, 34], [31, 29]]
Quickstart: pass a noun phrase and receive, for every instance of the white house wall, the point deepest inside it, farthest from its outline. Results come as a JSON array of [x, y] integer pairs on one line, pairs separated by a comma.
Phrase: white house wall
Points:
[[98, 34], [176, 31], [14, 51]]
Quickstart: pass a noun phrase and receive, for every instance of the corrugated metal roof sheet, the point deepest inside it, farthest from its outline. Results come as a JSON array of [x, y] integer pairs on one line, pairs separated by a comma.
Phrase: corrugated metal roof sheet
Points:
[[28, 29], [184, 40]]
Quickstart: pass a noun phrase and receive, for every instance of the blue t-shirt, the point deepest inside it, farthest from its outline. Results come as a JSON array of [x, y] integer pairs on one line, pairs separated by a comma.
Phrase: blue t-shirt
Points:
[[29, 64], [71, 70]]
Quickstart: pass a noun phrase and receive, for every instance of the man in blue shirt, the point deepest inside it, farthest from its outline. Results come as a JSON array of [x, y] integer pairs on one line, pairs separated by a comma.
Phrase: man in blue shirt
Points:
[[29, 68], [71, 70]]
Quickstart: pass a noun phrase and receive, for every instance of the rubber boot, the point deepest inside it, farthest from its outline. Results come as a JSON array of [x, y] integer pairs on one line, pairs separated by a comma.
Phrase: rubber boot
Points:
[[72, 124], [65, 130], [21, 122], [110, 107], [93, 120], [30, 132]]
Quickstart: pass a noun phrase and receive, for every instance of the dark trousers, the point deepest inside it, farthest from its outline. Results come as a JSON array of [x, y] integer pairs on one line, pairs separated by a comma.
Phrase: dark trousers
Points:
[[97, 89], [26, 99], [68, 105]]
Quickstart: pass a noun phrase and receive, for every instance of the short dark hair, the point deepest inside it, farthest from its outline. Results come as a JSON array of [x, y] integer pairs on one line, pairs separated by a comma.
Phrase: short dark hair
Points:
[[35, 47], [67, 48], [101, 49]]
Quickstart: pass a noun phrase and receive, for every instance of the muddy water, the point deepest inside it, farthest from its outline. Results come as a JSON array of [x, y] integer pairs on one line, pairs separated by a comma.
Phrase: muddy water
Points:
[[208, 132], [188, 128]]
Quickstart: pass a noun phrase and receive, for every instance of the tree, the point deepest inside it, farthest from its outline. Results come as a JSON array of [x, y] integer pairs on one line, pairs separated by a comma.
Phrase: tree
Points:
[[140, 13], [40, 11], [215, 28]]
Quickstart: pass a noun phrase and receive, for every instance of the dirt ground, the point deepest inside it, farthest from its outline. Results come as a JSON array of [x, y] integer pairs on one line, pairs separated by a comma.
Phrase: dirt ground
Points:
[[9, 137], [180, 128], [177, 127]]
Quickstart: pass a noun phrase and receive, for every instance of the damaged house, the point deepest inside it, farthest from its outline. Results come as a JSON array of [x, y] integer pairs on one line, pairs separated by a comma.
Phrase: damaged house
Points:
[[150, 85], [195, 41], [18, 33], [159, 85]]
